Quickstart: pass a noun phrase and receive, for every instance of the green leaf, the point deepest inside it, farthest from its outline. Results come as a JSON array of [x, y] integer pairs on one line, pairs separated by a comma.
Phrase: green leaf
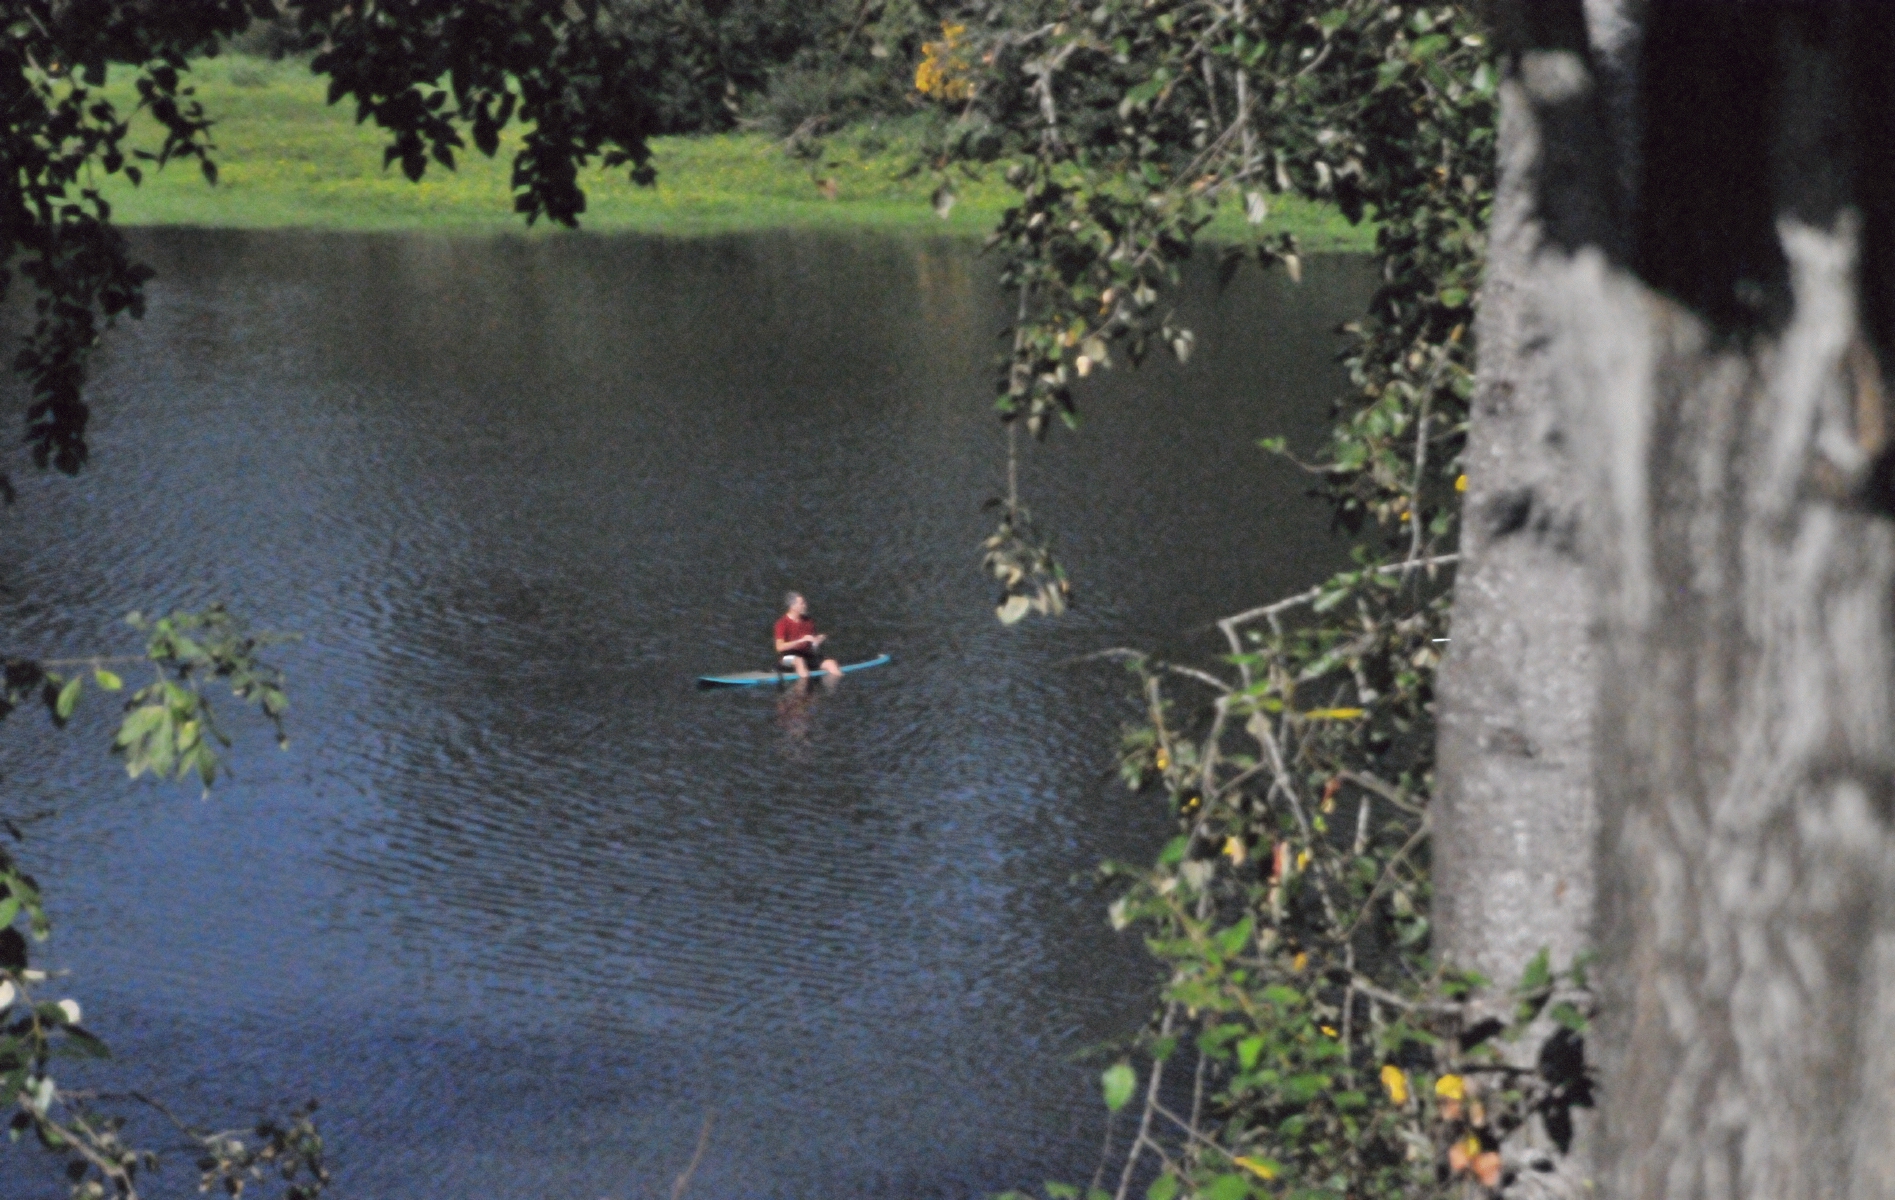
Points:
[[1248, 1050], [1568, 1016], [68, 696], [1143, 93], [1226, 1187], [1539, 973], [105, 679], [1301, 1089], [80, 1044], [1118, 1081], [1062, 1191], [1234, 939], [139, 724], [1165, 1187]]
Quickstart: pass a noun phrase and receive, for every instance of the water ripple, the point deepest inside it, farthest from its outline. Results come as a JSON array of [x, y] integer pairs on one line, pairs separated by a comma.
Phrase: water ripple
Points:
[[519, 902]]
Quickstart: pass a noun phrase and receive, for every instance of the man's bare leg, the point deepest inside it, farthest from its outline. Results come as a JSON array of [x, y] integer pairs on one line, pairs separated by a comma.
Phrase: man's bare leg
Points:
[[833, 667], [802, 668]]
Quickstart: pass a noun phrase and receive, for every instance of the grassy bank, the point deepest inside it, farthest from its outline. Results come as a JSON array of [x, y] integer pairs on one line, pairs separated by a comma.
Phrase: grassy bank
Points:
[[287, 159]]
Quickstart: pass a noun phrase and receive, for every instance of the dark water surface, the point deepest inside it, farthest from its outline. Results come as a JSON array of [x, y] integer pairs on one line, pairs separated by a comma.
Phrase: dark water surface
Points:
[[519, 904]]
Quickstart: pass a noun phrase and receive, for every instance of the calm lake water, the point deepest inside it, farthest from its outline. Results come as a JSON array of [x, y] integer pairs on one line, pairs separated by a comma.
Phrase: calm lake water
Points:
[[519, 903]]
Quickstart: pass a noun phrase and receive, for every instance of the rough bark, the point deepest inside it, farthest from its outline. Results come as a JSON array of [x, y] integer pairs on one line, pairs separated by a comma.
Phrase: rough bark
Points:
[[1721, 372], [1515, 814], [1514, 825]]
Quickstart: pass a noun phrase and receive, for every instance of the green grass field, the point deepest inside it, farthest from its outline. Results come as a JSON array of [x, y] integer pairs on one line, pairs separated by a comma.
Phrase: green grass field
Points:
[[288, 160]]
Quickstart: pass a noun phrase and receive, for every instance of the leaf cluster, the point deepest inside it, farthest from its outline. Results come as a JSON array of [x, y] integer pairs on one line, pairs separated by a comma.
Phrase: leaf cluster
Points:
[[1021, 559], [60, 136], [1331, 1052], [166, 728]]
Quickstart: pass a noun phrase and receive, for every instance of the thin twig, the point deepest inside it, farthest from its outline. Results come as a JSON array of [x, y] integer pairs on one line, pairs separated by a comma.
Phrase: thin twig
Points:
[[1242, 777], [1389, 998], [1210, 89], [1348, 995], [82, 1139], [1105, 1153], [1045, 68], [163, 1110], [1414, 839], [1248, 134], [1421, 466], [1130, 655], [1285, 785], [1151, 1102], [703, 1140], [1155, 705], [1204, 677], [1227, 624], [1386, 791], [1197, 1090], [1213, 742], [1013, 467], [1189, 1129]]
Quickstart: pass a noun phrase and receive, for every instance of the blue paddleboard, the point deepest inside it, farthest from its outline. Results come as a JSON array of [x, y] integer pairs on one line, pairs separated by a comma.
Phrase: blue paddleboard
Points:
[[755, 678]]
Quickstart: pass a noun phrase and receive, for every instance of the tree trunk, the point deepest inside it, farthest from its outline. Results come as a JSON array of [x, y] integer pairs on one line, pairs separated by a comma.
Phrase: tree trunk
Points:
[[1515, 811], [1718, 358]]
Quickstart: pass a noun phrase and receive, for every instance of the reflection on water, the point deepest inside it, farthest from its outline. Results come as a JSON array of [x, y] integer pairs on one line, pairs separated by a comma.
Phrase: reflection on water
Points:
[[519, 903], [796, 712]]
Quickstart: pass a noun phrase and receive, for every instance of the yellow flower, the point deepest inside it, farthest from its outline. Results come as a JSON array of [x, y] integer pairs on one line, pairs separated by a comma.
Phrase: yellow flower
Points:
[[1235, 849], [943, 70], [1450, 1087], [1262, 1168], [1299, 962], [1302, 860], [1396, 1081], [1460, 484], [1329, 1030], [1163, 760]]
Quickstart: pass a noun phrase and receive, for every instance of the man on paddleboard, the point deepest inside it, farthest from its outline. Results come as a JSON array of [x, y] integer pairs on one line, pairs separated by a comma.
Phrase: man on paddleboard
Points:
[[797, 642]]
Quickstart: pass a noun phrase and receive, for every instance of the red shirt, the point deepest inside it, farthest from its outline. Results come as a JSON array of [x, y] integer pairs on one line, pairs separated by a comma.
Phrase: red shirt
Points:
[[789, 628]]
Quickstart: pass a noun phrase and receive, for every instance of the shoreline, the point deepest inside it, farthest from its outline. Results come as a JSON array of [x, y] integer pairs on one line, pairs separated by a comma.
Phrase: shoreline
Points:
[[289, 161]]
